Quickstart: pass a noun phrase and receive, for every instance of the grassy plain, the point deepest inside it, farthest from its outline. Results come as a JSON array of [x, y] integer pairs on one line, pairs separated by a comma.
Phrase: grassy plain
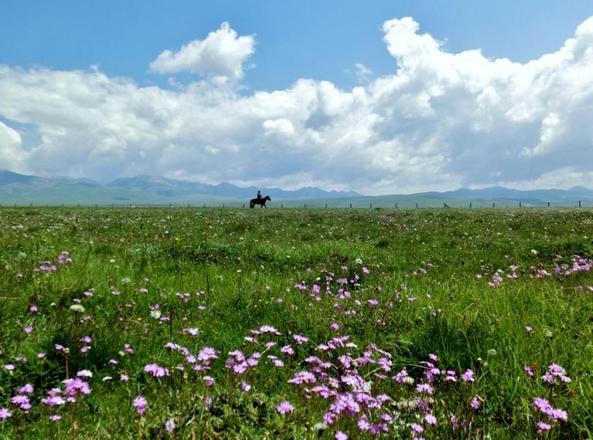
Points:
[[209, 277]]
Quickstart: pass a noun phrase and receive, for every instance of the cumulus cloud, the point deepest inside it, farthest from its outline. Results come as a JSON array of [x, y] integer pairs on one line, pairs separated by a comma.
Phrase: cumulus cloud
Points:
[[220, 55], [12, 154], [439, 121]]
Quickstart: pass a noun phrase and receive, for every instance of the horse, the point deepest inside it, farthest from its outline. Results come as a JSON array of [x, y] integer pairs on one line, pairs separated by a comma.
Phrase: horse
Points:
[[261, 202]]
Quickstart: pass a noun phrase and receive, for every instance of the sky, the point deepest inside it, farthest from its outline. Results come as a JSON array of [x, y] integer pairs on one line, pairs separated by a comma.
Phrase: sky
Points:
[[377, 97]]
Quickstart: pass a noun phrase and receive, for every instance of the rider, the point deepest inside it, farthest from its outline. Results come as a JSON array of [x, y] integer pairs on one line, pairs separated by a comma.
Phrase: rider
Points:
[[258, 194]]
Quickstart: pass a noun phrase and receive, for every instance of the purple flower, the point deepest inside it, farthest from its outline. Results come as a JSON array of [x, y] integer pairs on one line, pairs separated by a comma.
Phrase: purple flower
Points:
[[156, 370], [476, 403], [284, 407], [21, 401], [430, 419], [75, 387], [334, 326], [28, 330], [206, 354], [424, 388], [543, 427], [140, 404], [341, 436], [416, 428], [300, 339], [170, 425], [26, 389], [5, 413], [468, 376], [55, 417]]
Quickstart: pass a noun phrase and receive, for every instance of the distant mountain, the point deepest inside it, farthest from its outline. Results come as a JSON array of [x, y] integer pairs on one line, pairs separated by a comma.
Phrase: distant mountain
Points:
[[23, 189]]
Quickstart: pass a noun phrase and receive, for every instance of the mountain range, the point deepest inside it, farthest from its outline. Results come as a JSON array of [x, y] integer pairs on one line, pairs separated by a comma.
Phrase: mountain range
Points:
[[25, 189]]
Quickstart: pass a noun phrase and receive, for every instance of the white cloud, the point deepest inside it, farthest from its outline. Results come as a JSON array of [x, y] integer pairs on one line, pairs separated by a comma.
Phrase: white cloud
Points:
[[221, 55], [441, 120], [12, 155]]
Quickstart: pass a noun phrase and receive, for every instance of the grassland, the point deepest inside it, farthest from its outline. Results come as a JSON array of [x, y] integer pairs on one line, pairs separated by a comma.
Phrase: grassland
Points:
[[296, 323]]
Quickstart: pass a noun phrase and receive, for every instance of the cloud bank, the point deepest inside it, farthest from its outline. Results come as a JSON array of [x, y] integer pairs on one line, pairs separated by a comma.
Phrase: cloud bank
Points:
[[440, 121]]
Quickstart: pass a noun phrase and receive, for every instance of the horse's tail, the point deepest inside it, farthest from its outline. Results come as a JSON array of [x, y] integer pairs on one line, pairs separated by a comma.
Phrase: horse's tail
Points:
[[251, 204]]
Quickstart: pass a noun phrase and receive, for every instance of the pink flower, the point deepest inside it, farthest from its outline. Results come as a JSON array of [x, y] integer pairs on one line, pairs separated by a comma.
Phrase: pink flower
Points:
[[476, 402], [26, 389], [300, 339], [543, 427], [5, 413], [284, 407], [156, 371], [55, 417], [341, 436], [170, 425], [468, 376], [140, 404], [28, 330], [430, 419], [334, 326]]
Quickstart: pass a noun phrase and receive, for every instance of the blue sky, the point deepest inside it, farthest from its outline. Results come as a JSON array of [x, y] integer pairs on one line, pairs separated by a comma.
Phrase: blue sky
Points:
[[376, 97], [295, 39]]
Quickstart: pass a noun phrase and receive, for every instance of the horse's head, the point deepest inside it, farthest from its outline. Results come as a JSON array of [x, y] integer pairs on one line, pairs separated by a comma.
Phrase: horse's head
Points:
[[268, 198]]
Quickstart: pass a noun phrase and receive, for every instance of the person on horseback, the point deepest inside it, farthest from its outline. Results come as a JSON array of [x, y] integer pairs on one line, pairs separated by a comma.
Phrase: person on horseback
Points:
[[258, 195]]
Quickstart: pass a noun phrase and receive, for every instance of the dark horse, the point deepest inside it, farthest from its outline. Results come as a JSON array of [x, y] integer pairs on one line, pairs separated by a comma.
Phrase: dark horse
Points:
[[261, 202]]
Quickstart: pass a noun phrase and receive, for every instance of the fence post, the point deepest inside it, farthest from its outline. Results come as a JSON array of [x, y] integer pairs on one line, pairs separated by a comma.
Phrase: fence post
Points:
[[395, 205], [305, 206], [548, 204], [351, 205], [579, 203], [470, 204], [519, 204], [281, 205], [243, 205], [493, 204], [416, 205], [370, 206]]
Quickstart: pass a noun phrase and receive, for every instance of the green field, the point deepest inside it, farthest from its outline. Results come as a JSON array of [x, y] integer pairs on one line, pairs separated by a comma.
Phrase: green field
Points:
[[366, 322]]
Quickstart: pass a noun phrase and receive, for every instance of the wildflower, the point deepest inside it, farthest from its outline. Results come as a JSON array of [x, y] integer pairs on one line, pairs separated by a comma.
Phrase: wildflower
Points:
[[340, 435], [284, 407], [21, 401], [26, 389], [85, 374], [156, 371], [9, 367], [5, 413], [170, 425], [140, 404], [74, 388], [28, 330], [528, 329], [430, 419], [287, 349], [55, 417], [77, 308], [334, 326], [209, 381], [543, 405], [191, 331], [206, 354], [476, 403], [300, 339], [468, 376], [424, 388], [529, 371], [543, 427], [416, 428], [124, 378], [245, 386]]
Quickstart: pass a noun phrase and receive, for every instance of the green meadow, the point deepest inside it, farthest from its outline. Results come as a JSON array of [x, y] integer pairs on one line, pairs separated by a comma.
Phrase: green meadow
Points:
[[296, 323]]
